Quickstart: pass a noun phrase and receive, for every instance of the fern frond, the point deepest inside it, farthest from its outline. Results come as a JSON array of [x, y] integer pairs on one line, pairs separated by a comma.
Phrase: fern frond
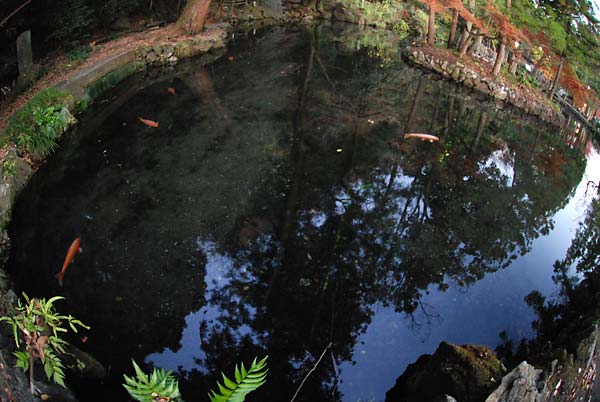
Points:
[[245, 382], [159, 384]]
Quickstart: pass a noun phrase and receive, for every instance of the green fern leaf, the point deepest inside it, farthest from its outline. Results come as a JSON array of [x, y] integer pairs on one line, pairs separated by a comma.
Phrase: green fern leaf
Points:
[[245, 382], [160, 384]]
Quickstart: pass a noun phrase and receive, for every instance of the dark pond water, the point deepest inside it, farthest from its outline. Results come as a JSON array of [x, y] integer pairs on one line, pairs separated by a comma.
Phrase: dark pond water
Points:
[[278, 209]]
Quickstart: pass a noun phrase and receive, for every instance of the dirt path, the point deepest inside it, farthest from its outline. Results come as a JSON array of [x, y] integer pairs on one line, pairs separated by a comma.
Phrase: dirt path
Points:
[[61, 68]]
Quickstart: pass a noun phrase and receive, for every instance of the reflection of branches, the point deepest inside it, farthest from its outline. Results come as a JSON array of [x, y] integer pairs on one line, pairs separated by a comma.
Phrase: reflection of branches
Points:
[[336, 377], [324, 71], [429, 317], [593, 184], [311, 371]]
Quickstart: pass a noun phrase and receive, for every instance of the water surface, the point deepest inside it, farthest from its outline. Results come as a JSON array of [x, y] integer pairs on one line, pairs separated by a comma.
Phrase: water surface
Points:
[[278, 209]]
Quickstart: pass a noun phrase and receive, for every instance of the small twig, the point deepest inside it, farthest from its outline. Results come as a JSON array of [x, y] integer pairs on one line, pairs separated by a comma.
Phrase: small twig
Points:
[[13, 13], [311, 371]]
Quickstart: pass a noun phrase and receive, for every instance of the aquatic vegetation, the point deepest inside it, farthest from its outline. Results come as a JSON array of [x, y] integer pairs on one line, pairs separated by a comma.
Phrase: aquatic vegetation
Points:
[[161, 385], [36, 126], [40, 326], [245, 382]]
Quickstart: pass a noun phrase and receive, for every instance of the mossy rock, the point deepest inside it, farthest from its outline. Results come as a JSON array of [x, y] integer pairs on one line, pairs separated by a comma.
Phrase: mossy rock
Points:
[[15, 173], [192, 47], [466, 372]]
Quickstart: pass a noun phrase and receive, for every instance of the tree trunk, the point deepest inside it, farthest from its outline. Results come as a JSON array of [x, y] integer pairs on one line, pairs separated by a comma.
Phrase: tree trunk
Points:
[[556, 77], [431, 27], [465, 45], [469, 27], [452, 35], [414, 107], [480, 127], [499, 57], [474, 48], [193, 17], [514, 64]]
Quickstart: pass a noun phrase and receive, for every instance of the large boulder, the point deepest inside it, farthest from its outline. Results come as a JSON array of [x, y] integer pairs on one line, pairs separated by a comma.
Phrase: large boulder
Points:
[[465, 372], [523, 384]]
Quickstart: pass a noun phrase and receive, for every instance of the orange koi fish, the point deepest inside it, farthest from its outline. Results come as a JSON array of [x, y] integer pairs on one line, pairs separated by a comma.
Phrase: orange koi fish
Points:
[[231, 58], [149, 123], [171, 90], [424, 137], [69, 258]]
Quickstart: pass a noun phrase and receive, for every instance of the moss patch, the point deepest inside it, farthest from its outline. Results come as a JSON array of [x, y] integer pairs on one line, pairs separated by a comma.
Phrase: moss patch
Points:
[[110, 80], [466, 372]]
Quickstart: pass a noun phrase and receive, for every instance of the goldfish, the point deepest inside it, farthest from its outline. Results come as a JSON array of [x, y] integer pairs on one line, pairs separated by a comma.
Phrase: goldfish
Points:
[[149, 123], [171, 90], [69, 258], [231, 58], [424, 137]]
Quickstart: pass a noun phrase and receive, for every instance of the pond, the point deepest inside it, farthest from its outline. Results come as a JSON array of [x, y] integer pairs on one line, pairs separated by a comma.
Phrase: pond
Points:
[[278, 208]]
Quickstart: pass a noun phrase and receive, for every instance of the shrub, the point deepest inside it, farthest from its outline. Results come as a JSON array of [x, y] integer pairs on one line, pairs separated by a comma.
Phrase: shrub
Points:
[[8, 168], [34, 127], [40, 326], [401, 28], [421, 20], [80, 53]]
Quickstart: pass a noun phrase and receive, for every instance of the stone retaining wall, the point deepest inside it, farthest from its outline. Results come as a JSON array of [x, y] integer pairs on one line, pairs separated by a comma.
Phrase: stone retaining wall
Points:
[[463, 74]]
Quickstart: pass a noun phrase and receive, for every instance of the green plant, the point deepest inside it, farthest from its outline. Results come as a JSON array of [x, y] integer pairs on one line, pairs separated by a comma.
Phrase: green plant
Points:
[[48, 121], [527, 79], [421, 20], [245, 382], [40, 326], [82, 105], [80, 53], [35, 126], [160, 386], [8, 168], [400, 28]]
